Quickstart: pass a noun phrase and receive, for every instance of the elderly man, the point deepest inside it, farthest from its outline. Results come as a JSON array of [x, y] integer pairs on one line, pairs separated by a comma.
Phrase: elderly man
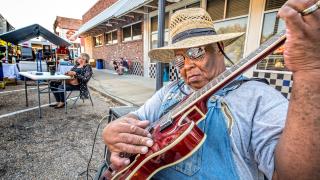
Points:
[[249, 135]]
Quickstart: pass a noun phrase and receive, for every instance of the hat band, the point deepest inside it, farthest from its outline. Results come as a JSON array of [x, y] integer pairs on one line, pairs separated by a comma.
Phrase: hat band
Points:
[[193, 33]]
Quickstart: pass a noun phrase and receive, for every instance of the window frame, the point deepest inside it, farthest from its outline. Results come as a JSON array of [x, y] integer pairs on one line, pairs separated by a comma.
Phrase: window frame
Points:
[[225, 12], [132, 38], [283, 71], [111, 34], [94, 40]]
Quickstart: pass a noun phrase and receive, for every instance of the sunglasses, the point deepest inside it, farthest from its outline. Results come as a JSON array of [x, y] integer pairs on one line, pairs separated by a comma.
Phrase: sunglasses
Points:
[[194, 54]]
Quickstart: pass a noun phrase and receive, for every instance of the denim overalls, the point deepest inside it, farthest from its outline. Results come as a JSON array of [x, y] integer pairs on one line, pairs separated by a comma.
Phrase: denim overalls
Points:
[[213, 160]]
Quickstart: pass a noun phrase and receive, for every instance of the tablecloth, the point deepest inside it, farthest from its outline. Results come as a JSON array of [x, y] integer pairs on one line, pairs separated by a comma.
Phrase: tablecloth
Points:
[[10, 71], [63, 69]]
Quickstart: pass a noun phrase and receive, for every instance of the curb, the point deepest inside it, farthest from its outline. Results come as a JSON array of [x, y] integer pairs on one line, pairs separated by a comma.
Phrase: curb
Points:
[[114, 98]]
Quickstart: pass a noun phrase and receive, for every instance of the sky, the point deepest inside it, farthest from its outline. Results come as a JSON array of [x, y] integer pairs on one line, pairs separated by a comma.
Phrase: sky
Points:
[[21, 13]]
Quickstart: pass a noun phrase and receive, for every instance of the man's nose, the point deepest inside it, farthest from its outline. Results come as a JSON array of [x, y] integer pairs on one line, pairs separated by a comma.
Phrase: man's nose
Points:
[[188, 64]]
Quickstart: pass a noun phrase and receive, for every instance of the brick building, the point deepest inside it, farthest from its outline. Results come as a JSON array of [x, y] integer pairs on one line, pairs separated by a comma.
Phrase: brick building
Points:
[[112, 31], [66, 27]]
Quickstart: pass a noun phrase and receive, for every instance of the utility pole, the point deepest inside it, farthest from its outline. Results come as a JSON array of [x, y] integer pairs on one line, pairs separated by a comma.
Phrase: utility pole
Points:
[[161, 24]]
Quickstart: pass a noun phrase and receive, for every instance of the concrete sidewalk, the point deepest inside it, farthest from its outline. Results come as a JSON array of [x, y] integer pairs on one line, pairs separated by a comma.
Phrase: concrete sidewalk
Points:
[[126, 89]]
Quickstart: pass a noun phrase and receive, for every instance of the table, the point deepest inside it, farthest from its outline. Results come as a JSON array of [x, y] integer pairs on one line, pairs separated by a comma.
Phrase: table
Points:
[[64, 68], [44, 76], [10, 71]]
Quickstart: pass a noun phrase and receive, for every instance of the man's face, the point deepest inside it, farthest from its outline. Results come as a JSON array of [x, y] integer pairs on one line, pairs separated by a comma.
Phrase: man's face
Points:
[[198, 72]]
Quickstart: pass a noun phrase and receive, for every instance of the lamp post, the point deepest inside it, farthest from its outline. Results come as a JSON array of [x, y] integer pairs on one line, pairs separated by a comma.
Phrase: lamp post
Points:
[[161, 27], [159, 66]]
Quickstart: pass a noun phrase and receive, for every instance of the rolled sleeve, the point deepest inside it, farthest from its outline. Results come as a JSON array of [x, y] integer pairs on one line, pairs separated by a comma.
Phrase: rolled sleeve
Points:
[[267, 126]]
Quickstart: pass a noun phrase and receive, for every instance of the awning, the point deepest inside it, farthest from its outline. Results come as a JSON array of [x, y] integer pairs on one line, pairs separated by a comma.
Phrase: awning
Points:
[[130, 6], [32, 31], [116, 10]]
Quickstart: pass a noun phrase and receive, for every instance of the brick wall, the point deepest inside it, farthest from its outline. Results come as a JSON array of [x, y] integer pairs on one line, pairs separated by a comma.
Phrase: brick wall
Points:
[[132, 50], [67, 23], [128, 50], [88, 45], [96, 9]]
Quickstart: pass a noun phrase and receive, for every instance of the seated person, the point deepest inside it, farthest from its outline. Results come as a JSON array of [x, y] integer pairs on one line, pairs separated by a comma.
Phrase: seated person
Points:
[[125, 65], [120, 68], [115, 65], [80, 73]]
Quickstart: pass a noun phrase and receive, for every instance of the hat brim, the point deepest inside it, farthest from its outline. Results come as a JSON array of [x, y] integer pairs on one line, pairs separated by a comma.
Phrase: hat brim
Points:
[[166, 54]]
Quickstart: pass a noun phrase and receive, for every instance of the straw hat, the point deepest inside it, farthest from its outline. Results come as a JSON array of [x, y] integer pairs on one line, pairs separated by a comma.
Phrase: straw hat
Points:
[[191, 27]]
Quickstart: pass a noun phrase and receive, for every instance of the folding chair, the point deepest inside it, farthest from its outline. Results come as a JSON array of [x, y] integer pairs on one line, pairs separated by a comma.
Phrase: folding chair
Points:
[[77, 98]]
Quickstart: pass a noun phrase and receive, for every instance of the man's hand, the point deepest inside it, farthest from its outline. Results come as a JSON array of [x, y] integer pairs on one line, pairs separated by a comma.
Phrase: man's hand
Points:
[[302, 47], [128, 135]]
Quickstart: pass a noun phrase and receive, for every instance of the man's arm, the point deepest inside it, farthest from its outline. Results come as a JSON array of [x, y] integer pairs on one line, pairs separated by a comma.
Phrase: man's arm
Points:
[[297, 154]]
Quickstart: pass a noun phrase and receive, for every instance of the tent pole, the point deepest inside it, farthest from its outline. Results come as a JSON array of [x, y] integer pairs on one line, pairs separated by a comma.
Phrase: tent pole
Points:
[[40, 57], [7, 60]]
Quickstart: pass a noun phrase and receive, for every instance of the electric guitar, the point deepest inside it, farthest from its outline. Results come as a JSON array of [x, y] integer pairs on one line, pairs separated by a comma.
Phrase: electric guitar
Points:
[[176, 135]]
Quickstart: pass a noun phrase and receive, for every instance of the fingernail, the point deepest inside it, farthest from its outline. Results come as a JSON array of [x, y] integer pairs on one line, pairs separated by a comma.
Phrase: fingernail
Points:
[[149, 143], [149, 135], [126, 162], [144, 150]]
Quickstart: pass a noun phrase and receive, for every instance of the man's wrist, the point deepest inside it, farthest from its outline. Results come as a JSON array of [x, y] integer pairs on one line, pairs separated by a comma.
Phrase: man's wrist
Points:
[[307, 75]]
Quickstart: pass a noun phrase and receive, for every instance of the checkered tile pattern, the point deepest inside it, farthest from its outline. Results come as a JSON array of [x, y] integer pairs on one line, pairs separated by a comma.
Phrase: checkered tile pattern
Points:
[[137, 69], [281, 82], [172, 74], [153, 70]]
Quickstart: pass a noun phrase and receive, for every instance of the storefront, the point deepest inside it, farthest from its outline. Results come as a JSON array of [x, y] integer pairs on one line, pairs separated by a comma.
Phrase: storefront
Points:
[[257, 18]]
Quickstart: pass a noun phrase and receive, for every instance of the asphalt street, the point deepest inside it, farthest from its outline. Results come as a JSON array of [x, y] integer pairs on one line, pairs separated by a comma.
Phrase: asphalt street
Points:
[[57, 146]]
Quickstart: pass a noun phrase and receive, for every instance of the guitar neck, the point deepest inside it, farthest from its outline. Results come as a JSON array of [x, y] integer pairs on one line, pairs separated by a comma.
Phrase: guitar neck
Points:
[[227, 76]]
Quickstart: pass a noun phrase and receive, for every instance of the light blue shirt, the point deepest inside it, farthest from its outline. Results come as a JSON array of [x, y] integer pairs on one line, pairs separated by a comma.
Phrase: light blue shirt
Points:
[[259, 113]]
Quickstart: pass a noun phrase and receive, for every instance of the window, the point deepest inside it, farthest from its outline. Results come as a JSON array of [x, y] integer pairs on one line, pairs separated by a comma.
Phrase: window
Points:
[[274, 4], [216, 9], [197, 4], [154, 31], [271, 26], [111, 37], [132, 32], [97, 40], [237, 8], [235, 50], [136, 31], [222, 9]]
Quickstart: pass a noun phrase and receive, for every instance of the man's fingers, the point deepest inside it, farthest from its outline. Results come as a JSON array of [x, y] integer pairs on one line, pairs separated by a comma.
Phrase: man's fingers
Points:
[[118, 161], [134, 128], [292, 17], [142, 124], [134, 139], [300, 5], [132, 149]]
